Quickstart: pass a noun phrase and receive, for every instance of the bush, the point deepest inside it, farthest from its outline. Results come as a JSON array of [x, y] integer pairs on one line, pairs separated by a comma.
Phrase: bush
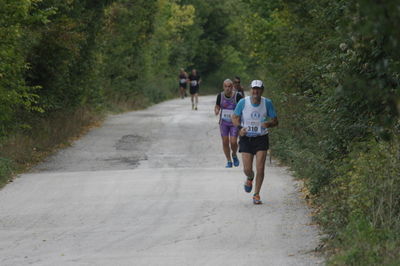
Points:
[[364, 200], [5, 170], [360, 243]]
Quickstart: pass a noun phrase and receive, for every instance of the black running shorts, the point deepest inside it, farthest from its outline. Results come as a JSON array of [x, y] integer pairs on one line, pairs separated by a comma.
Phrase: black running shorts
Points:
[[253, 144], [194, 90]]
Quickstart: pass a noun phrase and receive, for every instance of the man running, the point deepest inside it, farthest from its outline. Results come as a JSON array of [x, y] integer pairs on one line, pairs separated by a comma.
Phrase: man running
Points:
[[254, 115], [226, 103], [183, 77], [195, 81], [237, 86]]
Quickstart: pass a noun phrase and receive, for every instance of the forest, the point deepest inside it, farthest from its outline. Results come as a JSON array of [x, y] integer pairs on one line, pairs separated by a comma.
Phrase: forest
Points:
[[332, 69]]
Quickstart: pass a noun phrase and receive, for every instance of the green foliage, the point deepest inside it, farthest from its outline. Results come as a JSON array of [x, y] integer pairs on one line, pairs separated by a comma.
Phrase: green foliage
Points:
[[15, 94], [232, 65], [368, 186], [126, 33], [5, 170], [332, 70], [144, 45], [62, 55], [361, 243], [214, 41]]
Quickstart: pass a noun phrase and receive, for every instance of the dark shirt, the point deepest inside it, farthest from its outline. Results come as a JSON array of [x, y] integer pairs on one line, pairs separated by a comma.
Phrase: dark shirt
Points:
[[196, 78], [240, 89]]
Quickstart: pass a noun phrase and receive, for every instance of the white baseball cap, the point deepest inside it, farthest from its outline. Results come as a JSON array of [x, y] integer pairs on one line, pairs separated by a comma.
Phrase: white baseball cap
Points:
[[257, 83]]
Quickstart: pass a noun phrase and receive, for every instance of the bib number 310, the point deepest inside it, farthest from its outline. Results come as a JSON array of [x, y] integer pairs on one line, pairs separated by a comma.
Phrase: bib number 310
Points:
[[253, 127]]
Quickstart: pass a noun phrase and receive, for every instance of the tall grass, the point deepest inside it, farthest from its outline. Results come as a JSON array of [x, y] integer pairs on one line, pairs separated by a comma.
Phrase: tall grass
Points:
[[363, 205]]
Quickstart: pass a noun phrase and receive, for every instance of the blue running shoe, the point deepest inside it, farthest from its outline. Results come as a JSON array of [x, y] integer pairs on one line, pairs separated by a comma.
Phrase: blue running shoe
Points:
[[228, 164], [256, 199], [236, 161], [248, 185]]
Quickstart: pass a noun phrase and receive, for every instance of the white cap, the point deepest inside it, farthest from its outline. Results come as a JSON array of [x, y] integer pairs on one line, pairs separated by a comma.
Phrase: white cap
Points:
[[257, 83]]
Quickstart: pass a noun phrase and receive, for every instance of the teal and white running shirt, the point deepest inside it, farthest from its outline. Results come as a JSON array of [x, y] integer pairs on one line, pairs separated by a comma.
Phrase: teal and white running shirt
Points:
[[252, 115]]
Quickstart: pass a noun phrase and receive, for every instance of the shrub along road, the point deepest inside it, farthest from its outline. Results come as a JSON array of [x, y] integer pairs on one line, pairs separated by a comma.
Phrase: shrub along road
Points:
[[150, 188]]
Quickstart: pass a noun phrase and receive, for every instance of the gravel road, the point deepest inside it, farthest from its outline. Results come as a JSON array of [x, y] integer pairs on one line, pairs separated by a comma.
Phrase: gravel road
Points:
[[150, 188]]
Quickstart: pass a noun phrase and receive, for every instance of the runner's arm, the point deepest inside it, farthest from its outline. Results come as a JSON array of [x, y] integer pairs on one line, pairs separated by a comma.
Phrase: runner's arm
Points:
[[236, 117], [272, 123], [237, 113], [236, 120], [217, 109]]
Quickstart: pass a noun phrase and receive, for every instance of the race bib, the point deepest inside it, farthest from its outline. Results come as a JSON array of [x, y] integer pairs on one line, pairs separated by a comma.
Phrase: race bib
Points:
[[226, 115], [253, 127], [183, 81], [193, 82]]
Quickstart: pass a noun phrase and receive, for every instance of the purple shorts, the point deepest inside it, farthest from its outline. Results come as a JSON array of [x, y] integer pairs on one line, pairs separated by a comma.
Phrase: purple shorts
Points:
[[228, 129]]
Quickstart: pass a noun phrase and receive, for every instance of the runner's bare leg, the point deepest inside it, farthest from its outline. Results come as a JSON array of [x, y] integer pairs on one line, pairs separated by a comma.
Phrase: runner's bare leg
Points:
[[260, 166], [247, 159]]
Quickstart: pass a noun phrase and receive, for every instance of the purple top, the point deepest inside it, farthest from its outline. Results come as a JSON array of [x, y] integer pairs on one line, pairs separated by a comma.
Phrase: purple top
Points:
[[227, 104]]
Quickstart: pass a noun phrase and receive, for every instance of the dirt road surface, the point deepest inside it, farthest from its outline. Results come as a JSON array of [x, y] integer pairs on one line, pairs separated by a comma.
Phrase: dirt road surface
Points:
[[150, 188]]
